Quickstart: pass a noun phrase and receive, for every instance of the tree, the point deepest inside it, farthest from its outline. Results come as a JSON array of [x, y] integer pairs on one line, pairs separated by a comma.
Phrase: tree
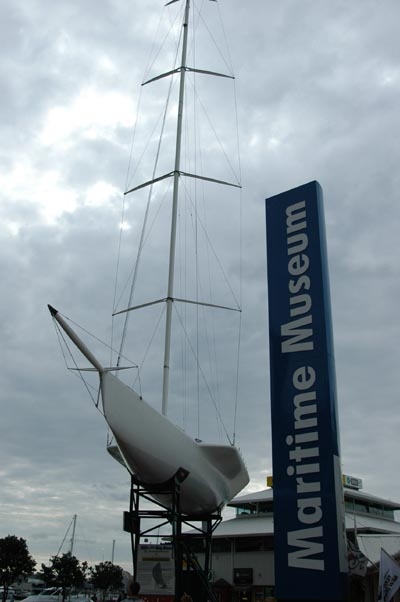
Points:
[[15, 561], [65, 571], [106, 576]]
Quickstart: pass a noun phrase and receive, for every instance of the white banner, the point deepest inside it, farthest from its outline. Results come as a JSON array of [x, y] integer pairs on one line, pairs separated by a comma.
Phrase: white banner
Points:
[[156, 569], [389, 577], [358, 563]]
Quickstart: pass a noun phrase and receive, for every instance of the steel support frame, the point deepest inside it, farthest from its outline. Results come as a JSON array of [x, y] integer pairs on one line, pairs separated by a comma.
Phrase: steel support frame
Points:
[[171, 515]]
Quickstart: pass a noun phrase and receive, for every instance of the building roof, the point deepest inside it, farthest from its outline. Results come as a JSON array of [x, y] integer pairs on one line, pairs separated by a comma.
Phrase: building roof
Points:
[[362, 496], [252, 525], [258, 496], [263, 524], [371, 545], [267, 495], [245, 525], [365, 522]]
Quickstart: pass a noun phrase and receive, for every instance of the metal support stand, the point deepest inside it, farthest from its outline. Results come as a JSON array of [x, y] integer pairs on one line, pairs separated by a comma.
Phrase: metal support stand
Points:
[[190, 576]]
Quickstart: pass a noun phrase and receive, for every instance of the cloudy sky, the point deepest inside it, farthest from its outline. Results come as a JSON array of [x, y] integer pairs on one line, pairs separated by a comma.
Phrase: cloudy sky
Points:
[[317, 88]]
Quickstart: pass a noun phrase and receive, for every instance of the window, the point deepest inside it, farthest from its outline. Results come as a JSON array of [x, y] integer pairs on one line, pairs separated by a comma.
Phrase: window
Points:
[[246, 509], [365, 507]]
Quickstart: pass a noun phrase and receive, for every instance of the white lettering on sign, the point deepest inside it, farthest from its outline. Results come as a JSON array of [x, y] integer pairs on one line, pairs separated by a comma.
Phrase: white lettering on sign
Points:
[[297, 334]]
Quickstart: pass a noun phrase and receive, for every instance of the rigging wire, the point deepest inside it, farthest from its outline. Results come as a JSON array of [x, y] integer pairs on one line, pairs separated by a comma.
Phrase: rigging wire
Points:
[[65, 536], [238, 146], [240, 269], [239, 167], [149, 230], [145, 77], [133, 364], [215, 255], [195, 130], [61, 337], [228, 65], [122, 221], [63, 341], [199, 202], [147, 70], [149, 198], [213, 128], [192, 195], [237, 378], [193, 200], [221, 22], [150, 342], [170, 31], [203, 376]]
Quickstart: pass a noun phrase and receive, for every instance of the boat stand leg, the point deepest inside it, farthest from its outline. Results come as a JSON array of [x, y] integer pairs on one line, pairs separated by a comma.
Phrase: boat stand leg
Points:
[[208, 540], [190, 575], [135, 524], [176, 541]]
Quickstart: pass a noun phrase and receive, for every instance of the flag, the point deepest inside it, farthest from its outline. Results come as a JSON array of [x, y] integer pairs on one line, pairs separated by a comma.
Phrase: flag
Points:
[[356, 559], [389, 577]]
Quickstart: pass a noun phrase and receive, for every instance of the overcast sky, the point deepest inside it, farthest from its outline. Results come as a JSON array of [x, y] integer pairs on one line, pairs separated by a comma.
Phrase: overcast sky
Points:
[[317, 87]]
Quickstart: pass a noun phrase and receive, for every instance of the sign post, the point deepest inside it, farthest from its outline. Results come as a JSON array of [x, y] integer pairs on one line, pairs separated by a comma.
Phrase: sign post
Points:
[[309, 534]]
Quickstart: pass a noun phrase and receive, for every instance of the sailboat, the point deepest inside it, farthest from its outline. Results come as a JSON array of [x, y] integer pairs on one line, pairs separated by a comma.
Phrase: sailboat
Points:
[[147, 442]]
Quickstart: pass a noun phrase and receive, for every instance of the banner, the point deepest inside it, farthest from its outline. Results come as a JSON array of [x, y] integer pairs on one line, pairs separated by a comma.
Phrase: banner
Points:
[[156, 569], [309, 535], [389, 577], [358, 562]]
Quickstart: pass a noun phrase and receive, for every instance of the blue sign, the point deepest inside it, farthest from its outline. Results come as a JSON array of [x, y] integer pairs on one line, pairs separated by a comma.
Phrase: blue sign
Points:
[[309, 535]]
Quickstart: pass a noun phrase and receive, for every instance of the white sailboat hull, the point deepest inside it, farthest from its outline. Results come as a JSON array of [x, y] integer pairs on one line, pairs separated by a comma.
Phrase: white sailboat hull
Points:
[[154, 449]]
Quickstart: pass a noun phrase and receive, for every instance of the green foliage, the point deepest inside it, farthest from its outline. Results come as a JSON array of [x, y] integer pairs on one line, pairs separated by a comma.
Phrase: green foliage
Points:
[[106, 576], [15, 561], [65, 571]]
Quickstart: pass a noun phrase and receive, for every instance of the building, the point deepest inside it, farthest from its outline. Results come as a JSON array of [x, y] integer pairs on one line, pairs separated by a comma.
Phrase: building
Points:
[[243, 547]]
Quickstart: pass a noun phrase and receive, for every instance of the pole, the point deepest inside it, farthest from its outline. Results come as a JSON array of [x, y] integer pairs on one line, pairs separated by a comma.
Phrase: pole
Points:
[[73, 533], [167, 348]]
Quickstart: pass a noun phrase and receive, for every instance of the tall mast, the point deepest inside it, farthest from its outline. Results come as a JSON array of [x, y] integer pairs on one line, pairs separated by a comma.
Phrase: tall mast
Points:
[[172, 245], [175, 173], [73, 533]]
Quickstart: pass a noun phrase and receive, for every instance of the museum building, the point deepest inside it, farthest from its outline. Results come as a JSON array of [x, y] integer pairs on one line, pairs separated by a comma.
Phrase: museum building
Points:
[[243, 547]]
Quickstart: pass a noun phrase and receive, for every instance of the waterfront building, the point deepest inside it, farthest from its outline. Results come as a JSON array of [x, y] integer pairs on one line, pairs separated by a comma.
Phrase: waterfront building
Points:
[[243, 546]]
